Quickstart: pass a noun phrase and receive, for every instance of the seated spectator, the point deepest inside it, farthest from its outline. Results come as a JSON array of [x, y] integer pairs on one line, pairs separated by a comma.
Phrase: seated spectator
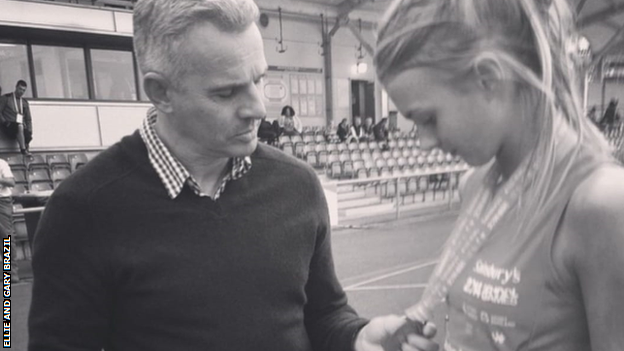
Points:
[[343, 130], [289, 127], [266, 132], [6, 210], [288, 113], [357, 131], [368, 128], [380, 130], [15, 118], [276, 128]]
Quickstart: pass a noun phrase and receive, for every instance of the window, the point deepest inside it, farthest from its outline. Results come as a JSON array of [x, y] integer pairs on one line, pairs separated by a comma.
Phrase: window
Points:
[[13, 67], [60, 72], [113, 75], [142, 96]]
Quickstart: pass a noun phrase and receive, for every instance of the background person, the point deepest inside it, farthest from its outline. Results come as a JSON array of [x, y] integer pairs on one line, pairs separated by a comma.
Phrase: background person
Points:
[[343, 130], [356, 133], [15, 117], [288, 117], [172, 239], [491, 81]]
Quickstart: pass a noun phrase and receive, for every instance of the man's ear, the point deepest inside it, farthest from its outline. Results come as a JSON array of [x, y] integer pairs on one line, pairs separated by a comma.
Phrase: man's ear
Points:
[[158, 89]]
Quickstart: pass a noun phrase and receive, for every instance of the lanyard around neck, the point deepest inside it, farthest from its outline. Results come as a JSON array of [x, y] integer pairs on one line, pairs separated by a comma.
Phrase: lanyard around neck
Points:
[[19, 108]]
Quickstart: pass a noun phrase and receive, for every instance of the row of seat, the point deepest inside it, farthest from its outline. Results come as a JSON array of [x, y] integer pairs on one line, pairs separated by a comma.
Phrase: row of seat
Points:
[[362, 169], [301, 150], [323, 135], [41, 172], [363, 145]]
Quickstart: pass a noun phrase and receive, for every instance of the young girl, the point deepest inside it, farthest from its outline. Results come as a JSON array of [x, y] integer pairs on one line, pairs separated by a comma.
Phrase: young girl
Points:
[[535, 260]]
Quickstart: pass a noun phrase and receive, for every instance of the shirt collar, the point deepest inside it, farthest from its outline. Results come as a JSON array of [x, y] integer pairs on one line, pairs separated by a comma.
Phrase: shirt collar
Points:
[[171, 172]]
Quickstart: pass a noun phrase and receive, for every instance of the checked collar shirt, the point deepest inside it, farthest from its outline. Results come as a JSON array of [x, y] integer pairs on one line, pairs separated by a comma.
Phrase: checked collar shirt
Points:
[[172, 173]]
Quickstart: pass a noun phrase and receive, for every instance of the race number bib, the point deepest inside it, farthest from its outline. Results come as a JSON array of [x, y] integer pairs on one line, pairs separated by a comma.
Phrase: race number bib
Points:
[[19, 118]]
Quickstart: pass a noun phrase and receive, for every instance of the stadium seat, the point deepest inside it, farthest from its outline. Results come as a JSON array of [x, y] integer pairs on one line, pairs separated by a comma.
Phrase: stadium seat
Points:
[[296, 139], [299, 149], [361, 173], [372, 145], [19, 226], [344, 156], [59, 175], [332, 147], [373, 172], [322, 158], [335, 170], [58, 161], [319, 138], [287, 147], [363, 145], [20, 175], [391, 162], [353, 146], [385, 172], [38, 175], [402, 162], [386, 154], [320, 147], [358, 164], [308, 148], [312, 159], [19, 188], [380, 162], [348, 170], [331, 158], [36, 161], [356, 155], [16, 162], [308, 138], [366, 155], [41, 186], [77, 160]]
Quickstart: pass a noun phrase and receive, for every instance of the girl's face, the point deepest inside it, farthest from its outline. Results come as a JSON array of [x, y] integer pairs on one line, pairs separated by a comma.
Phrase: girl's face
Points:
[[468, 118]]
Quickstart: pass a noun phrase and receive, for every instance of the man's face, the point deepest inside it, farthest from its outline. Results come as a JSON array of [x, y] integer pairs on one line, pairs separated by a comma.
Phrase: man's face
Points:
[[19, 90], [217, 104]]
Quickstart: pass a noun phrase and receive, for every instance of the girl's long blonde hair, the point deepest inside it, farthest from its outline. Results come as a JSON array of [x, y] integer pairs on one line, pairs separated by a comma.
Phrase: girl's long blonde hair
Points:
[[530, 38]]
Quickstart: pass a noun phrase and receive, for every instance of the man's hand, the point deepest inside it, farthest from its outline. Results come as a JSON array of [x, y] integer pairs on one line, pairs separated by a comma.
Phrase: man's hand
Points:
[[379, 329]]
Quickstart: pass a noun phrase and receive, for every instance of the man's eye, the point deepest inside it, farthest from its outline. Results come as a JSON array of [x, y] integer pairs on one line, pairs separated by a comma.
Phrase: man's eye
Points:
[[225, 93]]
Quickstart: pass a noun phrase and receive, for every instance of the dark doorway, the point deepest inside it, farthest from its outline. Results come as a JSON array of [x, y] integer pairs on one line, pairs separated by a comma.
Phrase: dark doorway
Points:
[[363, 99]]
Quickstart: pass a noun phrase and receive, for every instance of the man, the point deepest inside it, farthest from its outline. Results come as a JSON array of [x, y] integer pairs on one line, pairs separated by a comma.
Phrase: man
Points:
[[188, 234], [15, 118]]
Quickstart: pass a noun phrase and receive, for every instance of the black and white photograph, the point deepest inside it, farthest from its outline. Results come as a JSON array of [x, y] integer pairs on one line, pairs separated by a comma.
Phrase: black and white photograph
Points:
[[312, 175]]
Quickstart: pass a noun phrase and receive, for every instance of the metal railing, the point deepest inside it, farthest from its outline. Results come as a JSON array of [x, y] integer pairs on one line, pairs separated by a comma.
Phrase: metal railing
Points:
[[398, 195]]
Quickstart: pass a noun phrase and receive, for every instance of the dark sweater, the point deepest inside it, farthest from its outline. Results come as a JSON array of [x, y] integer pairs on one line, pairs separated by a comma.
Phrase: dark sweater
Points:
[[117, 264]]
